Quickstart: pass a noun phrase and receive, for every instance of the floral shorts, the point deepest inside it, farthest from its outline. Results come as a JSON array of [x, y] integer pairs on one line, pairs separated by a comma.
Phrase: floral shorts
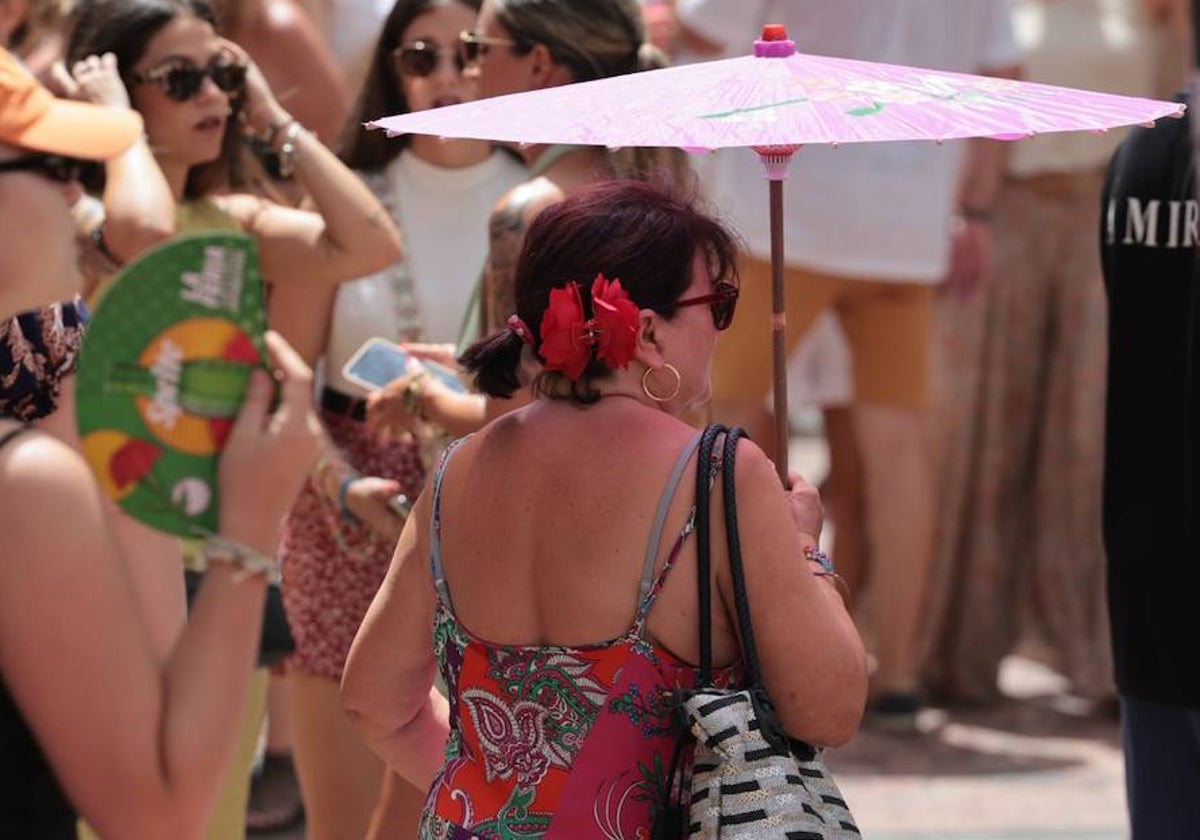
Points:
[[331, 568]]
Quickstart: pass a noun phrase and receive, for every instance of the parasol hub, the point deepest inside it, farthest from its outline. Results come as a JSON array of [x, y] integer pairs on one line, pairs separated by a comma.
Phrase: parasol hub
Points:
[[775, 160], [774, 42]]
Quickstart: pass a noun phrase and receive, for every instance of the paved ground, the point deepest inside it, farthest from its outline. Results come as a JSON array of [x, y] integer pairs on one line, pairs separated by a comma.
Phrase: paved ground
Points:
[[1040, 766]]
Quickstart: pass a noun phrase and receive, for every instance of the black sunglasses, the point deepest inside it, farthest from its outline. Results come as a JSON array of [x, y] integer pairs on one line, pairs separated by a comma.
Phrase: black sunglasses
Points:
[[180, 82], [722, 302], [61, 170], [473, 47], [420, 58]]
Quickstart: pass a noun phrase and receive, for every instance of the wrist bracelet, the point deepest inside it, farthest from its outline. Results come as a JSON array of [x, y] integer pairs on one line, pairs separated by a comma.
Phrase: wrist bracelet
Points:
[[218, 549], [413, 398], [816, 555], [287, 149], [343, 486]]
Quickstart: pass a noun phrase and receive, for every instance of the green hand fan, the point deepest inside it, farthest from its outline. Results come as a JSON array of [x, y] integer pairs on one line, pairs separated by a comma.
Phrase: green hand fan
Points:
[[165, 363]]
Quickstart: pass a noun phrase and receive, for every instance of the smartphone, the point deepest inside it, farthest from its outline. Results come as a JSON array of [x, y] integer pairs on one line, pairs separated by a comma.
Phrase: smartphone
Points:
[[378, 362]]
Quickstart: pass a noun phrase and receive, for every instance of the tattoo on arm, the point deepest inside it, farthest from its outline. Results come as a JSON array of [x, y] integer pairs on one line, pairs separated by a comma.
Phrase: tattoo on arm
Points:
[[506, 233]]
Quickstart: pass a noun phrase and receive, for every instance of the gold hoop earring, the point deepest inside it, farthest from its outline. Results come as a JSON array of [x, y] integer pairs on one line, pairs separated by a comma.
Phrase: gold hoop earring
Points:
[[674, 392]]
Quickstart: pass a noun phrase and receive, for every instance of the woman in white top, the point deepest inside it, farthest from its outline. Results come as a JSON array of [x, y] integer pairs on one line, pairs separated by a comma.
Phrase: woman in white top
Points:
[[339, 538]]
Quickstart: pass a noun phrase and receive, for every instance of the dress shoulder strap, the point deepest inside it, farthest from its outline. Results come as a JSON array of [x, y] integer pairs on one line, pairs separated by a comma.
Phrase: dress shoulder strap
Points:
[[435, 530], [646, 586]]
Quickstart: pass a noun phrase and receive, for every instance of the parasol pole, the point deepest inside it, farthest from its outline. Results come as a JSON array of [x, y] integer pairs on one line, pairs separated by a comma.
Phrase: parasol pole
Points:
[[775, 43], [775, 161]]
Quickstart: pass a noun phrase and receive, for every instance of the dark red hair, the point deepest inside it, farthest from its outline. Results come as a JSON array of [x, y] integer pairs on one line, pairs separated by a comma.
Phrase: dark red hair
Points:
[[646, 235]]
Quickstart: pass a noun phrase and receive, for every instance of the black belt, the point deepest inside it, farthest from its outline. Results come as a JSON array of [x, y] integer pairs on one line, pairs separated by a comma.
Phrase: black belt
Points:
[[335, 402]]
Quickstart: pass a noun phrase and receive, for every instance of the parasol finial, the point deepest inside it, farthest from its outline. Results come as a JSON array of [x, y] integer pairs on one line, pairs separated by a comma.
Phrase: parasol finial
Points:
[[774, 42]]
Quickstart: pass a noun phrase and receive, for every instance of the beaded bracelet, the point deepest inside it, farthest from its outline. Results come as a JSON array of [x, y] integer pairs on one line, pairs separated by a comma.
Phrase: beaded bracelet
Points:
[[218, 549], [816, 555], [287, 149], [343, 486], [413, 397]]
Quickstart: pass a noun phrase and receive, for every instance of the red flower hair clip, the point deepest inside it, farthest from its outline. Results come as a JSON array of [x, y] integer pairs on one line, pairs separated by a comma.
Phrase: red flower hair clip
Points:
[[568, 338]]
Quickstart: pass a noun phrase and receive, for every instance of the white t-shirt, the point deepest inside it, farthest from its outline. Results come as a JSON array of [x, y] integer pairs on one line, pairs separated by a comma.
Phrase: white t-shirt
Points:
[[1103, 45], [877, 211], [442, 215]]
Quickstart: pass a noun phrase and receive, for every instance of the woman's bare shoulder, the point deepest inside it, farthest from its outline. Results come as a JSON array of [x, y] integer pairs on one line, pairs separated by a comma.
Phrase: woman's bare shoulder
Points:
[[33, 463], [46, 484]]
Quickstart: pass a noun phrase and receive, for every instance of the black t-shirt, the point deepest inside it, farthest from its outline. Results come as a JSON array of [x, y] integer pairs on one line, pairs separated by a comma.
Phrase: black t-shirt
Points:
[[1149, 229]]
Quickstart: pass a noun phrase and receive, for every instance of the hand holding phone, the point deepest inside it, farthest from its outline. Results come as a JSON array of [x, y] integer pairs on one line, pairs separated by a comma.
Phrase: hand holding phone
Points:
[[379, 362]]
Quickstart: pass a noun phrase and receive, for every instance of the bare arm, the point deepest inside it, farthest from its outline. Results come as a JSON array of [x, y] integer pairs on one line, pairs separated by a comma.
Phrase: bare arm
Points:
[[506, 235], [978, 189], [813, 660], [387, 687], [139, 210], [349, 235], [509, 221], [140, 748]]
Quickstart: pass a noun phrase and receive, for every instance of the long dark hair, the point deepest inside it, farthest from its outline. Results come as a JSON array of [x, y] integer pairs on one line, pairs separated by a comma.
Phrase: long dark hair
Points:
[[125, 28], [382, 94], [644, 234]]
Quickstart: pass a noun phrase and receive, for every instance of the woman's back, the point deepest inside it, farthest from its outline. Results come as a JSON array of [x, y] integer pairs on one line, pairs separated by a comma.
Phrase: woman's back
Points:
[[559, 690], [602, 470]]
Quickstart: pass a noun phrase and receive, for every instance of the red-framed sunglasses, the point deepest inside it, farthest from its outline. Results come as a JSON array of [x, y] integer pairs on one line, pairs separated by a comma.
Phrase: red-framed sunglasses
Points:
[[722, 302]]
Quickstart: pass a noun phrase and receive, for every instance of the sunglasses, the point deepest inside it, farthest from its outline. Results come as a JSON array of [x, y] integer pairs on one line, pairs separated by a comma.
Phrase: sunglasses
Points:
[[420, 58], [60, 170], [721, 302], [474, 47], [180, 82]]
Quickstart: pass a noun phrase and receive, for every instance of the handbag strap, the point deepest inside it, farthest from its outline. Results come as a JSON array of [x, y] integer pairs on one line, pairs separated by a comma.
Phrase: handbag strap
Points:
[[741, 599], [704, 460], [703, 550]]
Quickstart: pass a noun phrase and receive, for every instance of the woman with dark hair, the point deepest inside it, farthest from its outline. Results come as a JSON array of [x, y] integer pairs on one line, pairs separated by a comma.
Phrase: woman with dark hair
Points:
[[520, 45], [341, 533], [95, 718], [199, 96], [537, 532]]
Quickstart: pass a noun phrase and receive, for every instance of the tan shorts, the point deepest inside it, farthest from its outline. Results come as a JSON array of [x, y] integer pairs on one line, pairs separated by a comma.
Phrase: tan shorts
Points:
[[887, 326]]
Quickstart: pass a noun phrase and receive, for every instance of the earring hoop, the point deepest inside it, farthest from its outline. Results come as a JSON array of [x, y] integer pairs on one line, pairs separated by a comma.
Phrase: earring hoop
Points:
[[674, 392]]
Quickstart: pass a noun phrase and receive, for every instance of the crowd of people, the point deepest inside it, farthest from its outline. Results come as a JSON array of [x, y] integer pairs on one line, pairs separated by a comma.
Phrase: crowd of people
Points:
[[586, 298]]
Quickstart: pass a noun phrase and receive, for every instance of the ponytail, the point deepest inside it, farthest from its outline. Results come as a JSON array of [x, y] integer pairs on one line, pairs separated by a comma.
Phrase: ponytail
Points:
[[495, 362]]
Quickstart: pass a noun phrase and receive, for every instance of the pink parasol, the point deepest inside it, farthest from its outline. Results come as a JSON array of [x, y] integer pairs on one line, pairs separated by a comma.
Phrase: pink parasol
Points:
[[774, 107]]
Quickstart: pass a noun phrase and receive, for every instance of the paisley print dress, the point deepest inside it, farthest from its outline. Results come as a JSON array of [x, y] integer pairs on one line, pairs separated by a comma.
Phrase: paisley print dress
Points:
[[549, 741]]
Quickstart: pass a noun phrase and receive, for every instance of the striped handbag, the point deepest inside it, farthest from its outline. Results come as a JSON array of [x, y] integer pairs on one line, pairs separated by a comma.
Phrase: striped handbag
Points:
[[748, 780]]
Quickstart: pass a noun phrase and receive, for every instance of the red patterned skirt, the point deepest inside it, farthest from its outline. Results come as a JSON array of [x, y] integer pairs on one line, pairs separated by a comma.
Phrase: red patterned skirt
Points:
[[332, 568]]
